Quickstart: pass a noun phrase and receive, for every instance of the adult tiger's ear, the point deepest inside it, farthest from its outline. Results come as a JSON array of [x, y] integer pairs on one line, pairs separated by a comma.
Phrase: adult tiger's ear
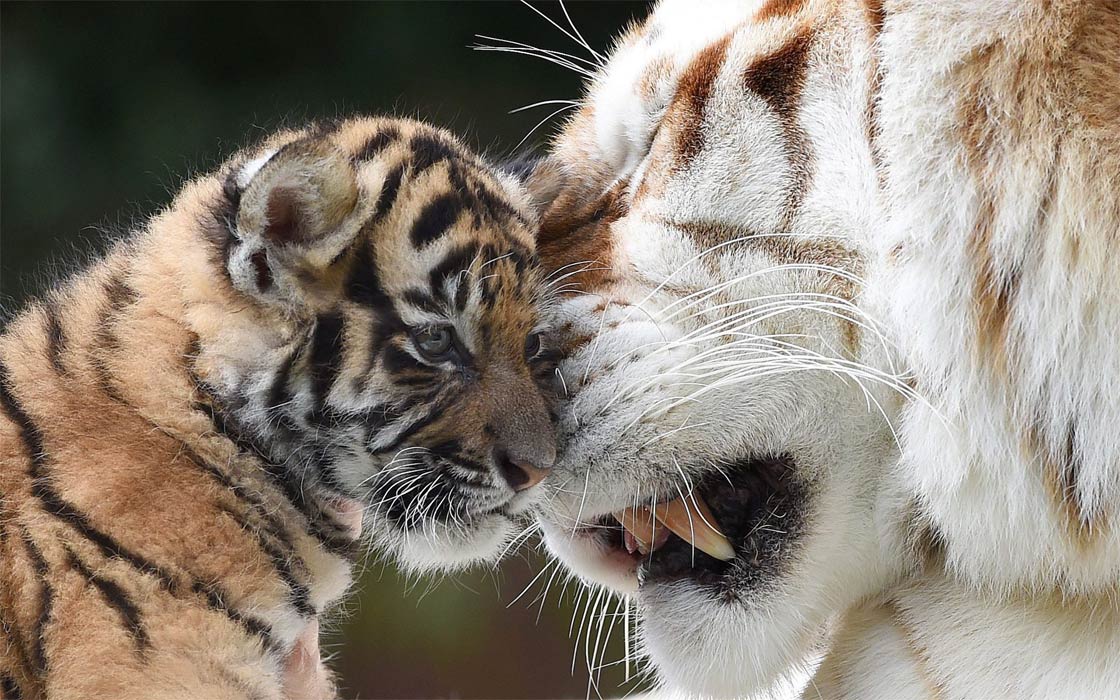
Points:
[[296, 213]]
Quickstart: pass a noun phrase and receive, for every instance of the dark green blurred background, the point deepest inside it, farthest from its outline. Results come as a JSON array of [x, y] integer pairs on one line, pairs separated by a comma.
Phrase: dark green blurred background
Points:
[[105, 109]]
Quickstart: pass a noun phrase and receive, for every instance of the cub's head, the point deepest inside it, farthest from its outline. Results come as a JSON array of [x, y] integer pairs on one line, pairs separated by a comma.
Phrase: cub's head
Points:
[[383, 344], [725, 441]]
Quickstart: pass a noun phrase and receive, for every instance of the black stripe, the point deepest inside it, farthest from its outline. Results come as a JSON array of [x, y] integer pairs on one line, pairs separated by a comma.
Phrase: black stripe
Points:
[[432, 415], [462, 294], [117, 599], [46, 603], [326, 355], [56, 338], [119, 293], [435, 219], [394, 360], [9, 687], [388, 194], [55, 505], [362, 285], [457, 261], [377, 143], [273, 526], [299, 594], [278, 393], [215, 598], [217, 222], [421, 300], [33, 444], [330, 535], [429, 149], [447, 449]]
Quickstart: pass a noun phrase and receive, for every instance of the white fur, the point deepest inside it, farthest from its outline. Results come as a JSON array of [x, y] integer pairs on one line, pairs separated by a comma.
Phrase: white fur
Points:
[[985, 621]]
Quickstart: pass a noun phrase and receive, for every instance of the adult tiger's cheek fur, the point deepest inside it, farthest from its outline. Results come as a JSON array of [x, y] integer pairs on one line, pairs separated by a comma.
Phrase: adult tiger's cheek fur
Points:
[[785, 281]]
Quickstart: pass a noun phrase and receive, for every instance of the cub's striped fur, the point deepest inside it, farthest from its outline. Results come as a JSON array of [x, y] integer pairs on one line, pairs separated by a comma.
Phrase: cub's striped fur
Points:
[[340, 322]]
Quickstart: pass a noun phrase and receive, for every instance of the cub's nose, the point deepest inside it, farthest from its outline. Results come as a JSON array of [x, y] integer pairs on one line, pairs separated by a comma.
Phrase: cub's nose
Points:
[[521, 474]]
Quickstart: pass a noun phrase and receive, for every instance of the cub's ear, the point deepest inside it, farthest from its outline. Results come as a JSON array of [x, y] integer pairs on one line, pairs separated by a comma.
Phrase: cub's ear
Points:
[[539, 176], [296, 213]]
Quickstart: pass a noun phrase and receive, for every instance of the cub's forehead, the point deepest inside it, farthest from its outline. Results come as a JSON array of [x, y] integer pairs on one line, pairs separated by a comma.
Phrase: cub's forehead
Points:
[[438, 228]]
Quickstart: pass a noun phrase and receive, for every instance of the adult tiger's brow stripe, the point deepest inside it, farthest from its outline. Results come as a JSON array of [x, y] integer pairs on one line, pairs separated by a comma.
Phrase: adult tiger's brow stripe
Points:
[[117, 599], [55, 505], [435, 219], [779, 78]]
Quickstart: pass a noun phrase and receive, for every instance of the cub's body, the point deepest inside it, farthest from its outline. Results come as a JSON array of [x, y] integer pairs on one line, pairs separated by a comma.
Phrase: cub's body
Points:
[[194, 428]]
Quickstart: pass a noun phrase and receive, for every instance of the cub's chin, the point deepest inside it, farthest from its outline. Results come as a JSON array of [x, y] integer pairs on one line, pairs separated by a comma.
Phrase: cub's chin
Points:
[[444, 546], [733, 585], [451, 538]]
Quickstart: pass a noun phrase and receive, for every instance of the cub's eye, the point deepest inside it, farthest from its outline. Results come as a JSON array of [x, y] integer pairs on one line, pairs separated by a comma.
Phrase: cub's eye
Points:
[[532, 345], [435, 343]]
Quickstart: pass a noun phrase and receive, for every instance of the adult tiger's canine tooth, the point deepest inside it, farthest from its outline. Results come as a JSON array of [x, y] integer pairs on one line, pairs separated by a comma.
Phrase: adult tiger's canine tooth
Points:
[[693, 522], [639, 523]]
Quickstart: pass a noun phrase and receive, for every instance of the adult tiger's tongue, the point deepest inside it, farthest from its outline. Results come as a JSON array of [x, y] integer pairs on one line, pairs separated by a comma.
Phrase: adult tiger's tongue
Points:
[[690, 520]]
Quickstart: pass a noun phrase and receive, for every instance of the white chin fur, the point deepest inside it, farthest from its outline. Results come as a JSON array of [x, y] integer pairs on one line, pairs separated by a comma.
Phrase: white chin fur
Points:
[[442, 547], [706, 648], [590, 560]]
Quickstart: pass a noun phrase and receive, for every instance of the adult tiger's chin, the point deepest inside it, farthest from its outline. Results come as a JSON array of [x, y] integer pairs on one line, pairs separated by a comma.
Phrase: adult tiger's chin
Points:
[[735, 597]]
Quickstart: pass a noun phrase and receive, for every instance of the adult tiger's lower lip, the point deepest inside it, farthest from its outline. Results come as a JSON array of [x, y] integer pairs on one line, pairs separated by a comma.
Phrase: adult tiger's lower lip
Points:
[[688, 518]]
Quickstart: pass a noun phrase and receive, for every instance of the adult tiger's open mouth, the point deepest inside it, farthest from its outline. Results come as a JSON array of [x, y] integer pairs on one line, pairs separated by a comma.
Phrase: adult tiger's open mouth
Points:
[[646, 528], [730, 527]]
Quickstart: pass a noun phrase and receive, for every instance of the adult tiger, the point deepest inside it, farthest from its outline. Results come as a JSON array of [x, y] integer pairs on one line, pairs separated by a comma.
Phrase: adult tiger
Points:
[[343, 319], [804, 230]]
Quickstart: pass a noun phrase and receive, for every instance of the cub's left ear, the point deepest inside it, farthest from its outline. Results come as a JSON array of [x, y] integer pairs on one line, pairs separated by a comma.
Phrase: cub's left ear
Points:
[[296, 212]]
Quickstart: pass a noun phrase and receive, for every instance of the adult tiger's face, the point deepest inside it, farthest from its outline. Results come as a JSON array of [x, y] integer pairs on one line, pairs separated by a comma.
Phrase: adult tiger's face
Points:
[[391, 353], [725, 382]]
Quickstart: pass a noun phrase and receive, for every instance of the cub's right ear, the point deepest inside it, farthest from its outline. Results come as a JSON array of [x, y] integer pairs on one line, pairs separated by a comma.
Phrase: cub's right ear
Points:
[[296, 213], [540, 176]]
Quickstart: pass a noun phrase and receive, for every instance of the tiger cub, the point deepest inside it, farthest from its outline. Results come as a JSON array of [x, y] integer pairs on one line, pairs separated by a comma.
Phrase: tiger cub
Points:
[[341, 323]]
